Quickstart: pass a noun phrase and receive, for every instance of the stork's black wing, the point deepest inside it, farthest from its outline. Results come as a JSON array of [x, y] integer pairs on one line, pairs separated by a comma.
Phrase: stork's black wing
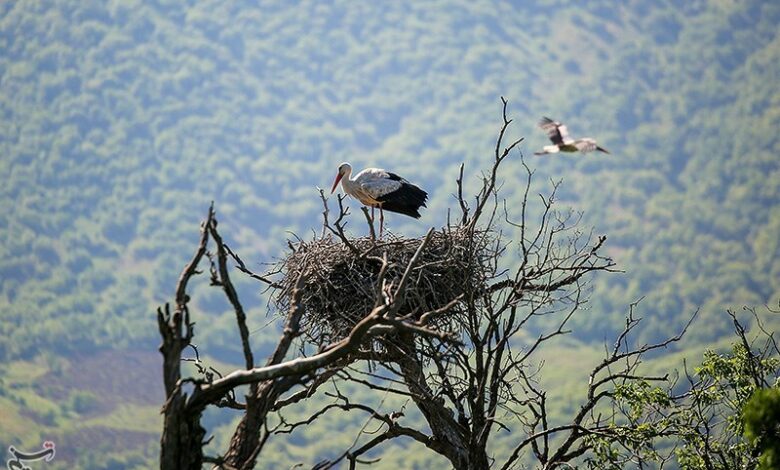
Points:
[[552, 129]]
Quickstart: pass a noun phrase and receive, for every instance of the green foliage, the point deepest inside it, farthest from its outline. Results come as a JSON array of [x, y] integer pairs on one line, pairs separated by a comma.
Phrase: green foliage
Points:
[[724, 418], [641, 394], [738, 370], [713, 425], [632, 435], [761, 418], [605, 455], [120, 122]]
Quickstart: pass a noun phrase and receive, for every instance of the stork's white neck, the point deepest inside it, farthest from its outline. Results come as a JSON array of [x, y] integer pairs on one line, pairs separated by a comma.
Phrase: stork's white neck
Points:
[[347, 183]]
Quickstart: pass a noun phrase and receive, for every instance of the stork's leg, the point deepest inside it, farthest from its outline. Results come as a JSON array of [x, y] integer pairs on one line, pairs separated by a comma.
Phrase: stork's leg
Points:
[[381, 221], [372, 221]]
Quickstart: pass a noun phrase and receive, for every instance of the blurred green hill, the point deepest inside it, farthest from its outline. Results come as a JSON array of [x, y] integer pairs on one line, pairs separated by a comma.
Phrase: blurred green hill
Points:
[[120, 121]]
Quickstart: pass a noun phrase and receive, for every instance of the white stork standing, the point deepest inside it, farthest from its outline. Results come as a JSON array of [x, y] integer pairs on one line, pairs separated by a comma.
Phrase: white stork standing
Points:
[[375, 187], [562, 142]]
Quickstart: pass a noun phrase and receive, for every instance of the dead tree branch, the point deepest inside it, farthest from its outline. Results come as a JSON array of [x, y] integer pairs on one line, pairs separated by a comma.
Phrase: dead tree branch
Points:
[[183, 435]]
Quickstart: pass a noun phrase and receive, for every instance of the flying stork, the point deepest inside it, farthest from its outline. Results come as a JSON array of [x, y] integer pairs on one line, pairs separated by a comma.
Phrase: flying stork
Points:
[[559, 136], [375, 187]]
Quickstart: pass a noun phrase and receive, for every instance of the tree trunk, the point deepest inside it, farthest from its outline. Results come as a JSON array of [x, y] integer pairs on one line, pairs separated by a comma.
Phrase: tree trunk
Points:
[[181, 443], [245, 445], [182, 437]]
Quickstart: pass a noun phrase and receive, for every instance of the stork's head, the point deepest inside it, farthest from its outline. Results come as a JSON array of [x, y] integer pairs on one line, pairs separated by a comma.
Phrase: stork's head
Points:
[[344, 170]]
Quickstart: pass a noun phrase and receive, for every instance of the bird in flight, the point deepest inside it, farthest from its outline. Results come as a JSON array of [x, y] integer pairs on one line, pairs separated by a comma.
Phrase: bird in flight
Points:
[[375, 187], [562, 142]]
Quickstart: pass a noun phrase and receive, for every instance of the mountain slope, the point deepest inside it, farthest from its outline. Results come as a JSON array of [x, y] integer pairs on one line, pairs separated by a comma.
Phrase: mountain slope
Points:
[[121, 121]]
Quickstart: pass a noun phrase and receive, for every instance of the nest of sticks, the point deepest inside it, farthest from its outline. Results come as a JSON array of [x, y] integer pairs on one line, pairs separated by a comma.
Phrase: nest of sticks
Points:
[[341, 283]]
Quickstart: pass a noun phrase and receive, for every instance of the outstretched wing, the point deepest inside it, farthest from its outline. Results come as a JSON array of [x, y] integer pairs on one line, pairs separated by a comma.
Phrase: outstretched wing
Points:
[[585, 145], [564, 133], [551, 128], [557, 132]]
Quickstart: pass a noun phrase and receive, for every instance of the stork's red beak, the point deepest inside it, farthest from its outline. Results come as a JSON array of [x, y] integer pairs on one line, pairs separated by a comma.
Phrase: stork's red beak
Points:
[[336, 183]]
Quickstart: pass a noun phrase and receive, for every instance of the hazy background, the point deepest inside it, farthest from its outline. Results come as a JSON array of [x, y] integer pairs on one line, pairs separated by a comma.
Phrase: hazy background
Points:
[[120, 121]]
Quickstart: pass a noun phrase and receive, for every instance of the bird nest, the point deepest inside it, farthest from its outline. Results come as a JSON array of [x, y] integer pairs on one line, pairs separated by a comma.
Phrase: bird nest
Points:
[[341, 283]]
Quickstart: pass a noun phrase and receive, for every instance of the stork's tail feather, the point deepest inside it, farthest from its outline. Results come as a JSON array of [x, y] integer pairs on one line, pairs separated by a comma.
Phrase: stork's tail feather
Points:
[[410, 211], [407, 200]]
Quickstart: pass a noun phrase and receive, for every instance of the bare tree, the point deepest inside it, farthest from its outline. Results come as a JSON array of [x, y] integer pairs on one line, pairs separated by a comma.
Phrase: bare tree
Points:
[[488, 380], [279, 383]]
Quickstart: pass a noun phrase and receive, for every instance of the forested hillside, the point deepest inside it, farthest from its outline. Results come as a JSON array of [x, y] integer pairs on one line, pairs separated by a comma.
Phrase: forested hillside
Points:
[[120, 121]]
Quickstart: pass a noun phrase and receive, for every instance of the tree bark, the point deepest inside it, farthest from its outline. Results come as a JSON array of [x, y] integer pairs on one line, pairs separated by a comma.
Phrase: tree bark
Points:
[[182, 437], [245, 444], [181, 443]]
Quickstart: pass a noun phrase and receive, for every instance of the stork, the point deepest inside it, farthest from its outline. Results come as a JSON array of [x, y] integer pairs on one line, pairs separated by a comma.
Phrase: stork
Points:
[[559, 136], [375, 187]]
